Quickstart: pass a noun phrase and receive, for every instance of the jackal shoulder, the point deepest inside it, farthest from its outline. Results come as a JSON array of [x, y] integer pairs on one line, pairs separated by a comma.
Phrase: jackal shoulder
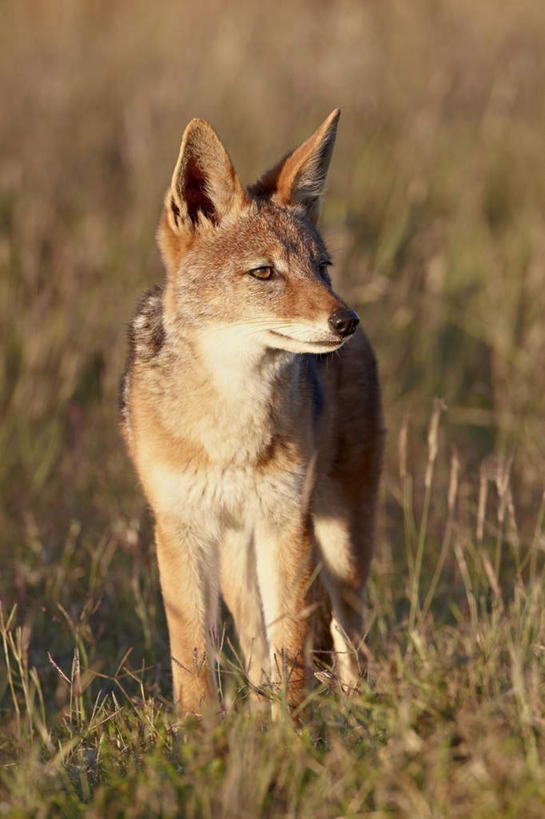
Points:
[[146, 340]]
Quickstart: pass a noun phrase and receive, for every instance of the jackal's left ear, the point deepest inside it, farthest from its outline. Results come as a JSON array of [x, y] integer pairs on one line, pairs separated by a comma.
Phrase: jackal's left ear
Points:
[[300, 177]]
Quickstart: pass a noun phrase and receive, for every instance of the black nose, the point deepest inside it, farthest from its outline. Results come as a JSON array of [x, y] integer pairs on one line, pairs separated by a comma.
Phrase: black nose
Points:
[[344, 322]]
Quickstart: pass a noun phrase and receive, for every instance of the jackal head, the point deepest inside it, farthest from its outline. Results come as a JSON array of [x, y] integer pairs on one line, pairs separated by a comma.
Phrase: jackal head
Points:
[[250, 262]]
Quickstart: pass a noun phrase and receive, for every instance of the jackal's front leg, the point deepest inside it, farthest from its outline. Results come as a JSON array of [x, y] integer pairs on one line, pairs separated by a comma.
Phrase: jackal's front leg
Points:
[[284, 566], [189, 582]]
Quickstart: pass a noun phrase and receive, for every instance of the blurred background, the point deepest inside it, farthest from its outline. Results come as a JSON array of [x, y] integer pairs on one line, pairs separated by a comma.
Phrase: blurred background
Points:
[[434, 219]]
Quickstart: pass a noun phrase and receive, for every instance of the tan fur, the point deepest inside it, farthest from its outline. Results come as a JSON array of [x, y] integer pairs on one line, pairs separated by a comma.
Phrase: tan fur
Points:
[[256, 432]]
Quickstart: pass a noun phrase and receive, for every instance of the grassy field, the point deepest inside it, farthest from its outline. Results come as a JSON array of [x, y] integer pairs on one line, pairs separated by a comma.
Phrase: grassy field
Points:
[[435, 221]]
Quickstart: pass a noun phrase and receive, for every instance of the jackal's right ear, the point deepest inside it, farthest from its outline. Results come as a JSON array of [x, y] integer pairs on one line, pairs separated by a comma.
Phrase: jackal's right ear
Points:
[[204, 183], [204, 188]]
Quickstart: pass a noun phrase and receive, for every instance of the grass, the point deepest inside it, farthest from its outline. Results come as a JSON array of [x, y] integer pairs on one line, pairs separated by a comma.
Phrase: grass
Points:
[[450, 722], [434, 218]]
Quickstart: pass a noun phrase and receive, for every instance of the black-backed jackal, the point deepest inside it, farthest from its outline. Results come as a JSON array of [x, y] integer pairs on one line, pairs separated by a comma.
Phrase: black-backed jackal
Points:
[[251, 409]]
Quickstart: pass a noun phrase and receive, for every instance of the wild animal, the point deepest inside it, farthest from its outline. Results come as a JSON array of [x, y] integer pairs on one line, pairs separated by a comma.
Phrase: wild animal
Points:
[[251, 409]]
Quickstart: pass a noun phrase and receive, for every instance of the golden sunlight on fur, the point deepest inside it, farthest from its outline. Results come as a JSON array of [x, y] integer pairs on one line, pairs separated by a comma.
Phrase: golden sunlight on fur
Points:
[[251, 409]]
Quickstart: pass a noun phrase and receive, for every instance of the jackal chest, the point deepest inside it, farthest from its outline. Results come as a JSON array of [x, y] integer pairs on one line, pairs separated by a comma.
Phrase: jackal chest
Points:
[[214, 498]]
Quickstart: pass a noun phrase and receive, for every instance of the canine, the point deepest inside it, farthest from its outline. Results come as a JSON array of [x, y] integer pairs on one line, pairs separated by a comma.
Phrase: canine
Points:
[[251, 409]]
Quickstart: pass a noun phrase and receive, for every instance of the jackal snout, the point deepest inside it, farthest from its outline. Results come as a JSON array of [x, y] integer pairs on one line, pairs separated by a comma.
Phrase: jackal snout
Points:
[[344, 322]]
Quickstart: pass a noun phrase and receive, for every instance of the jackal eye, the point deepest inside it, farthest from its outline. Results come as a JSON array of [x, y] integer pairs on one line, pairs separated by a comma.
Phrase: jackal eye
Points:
[[322, 270], [264, 272]]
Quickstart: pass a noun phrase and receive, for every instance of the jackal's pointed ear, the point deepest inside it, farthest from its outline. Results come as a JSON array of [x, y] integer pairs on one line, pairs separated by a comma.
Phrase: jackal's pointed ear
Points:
[[300, 177], [204, 188], [204, 184]]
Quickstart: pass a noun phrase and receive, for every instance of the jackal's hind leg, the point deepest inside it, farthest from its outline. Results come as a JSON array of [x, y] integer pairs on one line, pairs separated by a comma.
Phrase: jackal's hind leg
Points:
[[345, 559]]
